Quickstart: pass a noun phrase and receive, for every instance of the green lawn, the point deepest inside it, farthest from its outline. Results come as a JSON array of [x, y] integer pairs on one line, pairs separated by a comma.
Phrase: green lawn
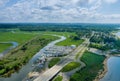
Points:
[[93, 64], [70, 66], [66, 34], [17, 37], [20, 37], [69, 42], [4, 46], [53, 61], [58, 78]]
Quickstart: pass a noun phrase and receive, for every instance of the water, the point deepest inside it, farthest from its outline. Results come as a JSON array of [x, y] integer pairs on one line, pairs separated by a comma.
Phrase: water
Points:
[[14, 45], [19, 76], [113, 74]]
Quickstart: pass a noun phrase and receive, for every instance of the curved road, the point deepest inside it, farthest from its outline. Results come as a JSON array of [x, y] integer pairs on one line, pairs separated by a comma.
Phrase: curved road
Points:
[[50, 73]]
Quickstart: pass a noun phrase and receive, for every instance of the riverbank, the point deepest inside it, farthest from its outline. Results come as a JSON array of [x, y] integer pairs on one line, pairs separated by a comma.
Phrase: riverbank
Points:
[[93, 65], [11, 45], [21, 55], [102, 73]]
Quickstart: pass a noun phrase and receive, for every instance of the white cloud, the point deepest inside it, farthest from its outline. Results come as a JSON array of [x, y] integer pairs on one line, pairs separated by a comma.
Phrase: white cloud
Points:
[[3, 2], [110, 1], [55, 10], [96, 5]]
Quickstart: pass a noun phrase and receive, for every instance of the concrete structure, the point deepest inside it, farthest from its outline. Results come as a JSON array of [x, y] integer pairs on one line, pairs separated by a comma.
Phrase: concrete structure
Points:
[[50, 73]]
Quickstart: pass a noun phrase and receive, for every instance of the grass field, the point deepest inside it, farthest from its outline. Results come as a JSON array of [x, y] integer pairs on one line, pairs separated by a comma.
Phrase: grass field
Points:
[[93, 64], [58, 78], [69, 42], [53, 61], [70, 66], [4, 46], [66, 34], [17, 37]]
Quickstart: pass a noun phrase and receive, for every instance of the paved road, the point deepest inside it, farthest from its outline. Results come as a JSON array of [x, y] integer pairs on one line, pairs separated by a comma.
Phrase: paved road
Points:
[[50, 73], [66, 75]]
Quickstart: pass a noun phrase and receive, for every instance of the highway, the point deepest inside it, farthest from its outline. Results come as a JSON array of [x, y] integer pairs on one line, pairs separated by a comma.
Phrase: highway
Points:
[[50, 73]]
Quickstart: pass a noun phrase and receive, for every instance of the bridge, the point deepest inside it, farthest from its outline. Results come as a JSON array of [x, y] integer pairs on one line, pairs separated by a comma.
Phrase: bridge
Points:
[[52, 72]]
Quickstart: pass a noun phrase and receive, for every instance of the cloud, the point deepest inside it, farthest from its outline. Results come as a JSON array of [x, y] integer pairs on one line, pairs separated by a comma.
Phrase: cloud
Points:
[[96, 5], [111, 1], [3, 2], [55, 10]]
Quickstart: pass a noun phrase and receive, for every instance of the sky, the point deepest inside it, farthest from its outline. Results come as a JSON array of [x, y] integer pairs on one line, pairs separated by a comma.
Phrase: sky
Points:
[[80, 11]]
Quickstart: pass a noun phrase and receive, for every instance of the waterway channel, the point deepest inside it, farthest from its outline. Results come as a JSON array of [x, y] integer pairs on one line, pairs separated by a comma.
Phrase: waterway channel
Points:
[[19, 76], [14, 45]]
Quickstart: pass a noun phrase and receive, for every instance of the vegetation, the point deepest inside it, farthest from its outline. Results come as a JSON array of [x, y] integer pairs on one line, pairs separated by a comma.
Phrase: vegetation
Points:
[[53, 61], [4, 46], [69, 27], [103, 41], [22, 54], [17, 37], [71, 41], [101, 47], [93, 64], [58, 78], [23, 33], [70, 66], [66, 34], [117, 43]]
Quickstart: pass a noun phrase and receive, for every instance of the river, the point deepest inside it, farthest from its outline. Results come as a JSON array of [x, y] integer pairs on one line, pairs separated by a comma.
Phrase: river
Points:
[[113, 66], [19, 76], [14, 45]]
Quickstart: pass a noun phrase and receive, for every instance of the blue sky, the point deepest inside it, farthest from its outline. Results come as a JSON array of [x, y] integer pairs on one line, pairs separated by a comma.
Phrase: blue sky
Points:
[[83, 11]]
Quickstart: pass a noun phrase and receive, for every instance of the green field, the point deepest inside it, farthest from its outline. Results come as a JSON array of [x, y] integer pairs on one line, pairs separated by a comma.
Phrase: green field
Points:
[[66, 34], [58, 78], [93, 64], [20, 37], [17, 37], [4, 46], [69, 42], [70, 66], [53, 61]]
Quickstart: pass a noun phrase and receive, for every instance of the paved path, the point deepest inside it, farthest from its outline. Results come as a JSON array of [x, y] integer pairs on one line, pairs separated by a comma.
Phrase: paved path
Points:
[[50, 73], [66, 75]]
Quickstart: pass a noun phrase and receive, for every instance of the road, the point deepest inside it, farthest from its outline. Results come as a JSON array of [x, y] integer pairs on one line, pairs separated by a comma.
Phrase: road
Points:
[[50, 73]]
